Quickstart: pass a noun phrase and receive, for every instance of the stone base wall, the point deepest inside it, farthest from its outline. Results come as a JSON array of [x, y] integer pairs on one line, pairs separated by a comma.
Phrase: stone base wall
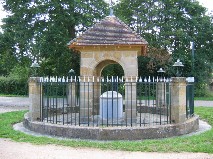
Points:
[[113, 133]]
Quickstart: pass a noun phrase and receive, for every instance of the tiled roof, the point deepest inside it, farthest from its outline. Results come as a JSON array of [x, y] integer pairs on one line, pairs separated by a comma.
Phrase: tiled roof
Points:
[[109, 31]]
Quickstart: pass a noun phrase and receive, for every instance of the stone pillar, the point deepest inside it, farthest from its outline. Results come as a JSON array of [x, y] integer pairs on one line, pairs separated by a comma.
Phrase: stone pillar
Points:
[[161, 94], [34, 97], [130, 101], [87, 99], [71, 95], [97, 93], [178, 99]]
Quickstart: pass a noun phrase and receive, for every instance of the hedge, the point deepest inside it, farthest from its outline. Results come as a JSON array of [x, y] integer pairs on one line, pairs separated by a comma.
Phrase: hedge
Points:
[[13, 86]]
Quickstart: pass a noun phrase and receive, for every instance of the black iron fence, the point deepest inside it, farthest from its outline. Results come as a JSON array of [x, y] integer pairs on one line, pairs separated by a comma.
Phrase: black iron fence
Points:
[[190, 99], [89, 101]]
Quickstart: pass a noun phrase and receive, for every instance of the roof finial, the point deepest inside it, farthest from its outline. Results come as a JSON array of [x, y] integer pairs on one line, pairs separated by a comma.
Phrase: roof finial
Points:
[[111, 9], [111, 12]]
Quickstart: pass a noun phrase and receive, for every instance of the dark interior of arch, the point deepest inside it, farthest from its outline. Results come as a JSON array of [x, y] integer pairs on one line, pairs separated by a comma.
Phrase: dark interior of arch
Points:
[[112, 70]]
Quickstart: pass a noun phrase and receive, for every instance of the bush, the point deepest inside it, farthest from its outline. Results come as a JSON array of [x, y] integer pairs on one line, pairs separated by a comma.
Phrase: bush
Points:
[[202, 90], [13, 86], [16, 83]]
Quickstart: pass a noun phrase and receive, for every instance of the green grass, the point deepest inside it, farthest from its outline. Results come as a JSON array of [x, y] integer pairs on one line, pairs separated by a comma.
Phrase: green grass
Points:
[[204, 98], [12, 95], [197, 143]]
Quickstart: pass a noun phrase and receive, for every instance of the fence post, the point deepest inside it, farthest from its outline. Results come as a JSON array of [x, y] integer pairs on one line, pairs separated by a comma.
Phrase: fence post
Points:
[[178, 99], [34, 97]]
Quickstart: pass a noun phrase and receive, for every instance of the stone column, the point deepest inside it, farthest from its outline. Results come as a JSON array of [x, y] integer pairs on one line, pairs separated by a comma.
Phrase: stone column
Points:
[[34, 97], [87, 103], [178, 99], [130, 101], [71, 95]]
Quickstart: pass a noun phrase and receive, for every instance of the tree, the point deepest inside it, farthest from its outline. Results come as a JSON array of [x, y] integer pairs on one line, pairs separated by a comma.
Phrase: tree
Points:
[[172, 25], [156, 58], [7, 58], [41, 29]]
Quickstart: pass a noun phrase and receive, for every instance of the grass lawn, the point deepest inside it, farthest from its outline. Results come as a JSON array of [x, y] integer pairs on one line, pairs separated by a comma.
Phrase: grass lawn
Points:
[[196, 143], [204, 98], [12, 95]]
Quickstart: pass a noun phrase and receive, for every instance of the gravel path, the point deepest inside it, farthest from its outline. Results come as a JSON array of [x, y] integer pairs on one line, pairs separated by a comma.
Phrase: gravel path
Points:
[[24, 101], [14, 101], [15, 150], [204, 103]]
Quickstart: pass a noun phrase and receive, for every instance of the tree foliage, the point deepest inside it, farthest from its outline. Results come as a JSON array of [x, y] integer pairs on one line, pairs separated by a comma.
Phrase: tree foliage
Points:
[[41, 29], [171, 25]]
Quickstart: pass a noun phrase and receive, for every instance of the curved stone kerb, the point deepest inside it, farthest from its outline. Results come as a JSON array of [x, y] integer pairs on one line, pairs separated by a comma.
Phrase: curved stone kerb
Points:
[[113, 133]]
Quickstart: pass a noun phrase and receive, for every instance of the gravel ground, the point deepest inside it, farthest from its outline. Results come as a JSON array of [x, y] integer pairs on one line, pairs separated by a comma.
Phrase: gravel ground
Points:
[[24, 101], [14, 101], [15, 150], [203, 103]]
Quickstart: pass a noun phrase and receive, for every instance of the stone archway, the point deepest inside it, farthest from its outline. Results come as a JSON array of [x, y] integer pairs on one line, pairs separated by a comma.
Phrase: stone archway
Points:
[[93, 60], [109, 41]]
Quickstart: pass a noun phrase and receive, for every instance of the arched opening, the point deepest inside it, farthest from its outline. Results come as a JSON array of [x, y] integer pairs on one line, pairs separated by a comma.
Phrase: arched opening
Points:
[[112, 70], [109, 68]]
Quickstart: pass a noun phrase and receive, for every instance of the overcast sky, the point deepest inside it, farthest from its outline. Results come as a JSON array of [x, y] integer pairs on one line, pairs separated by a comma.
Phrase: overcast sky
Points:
[[206, 3]]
